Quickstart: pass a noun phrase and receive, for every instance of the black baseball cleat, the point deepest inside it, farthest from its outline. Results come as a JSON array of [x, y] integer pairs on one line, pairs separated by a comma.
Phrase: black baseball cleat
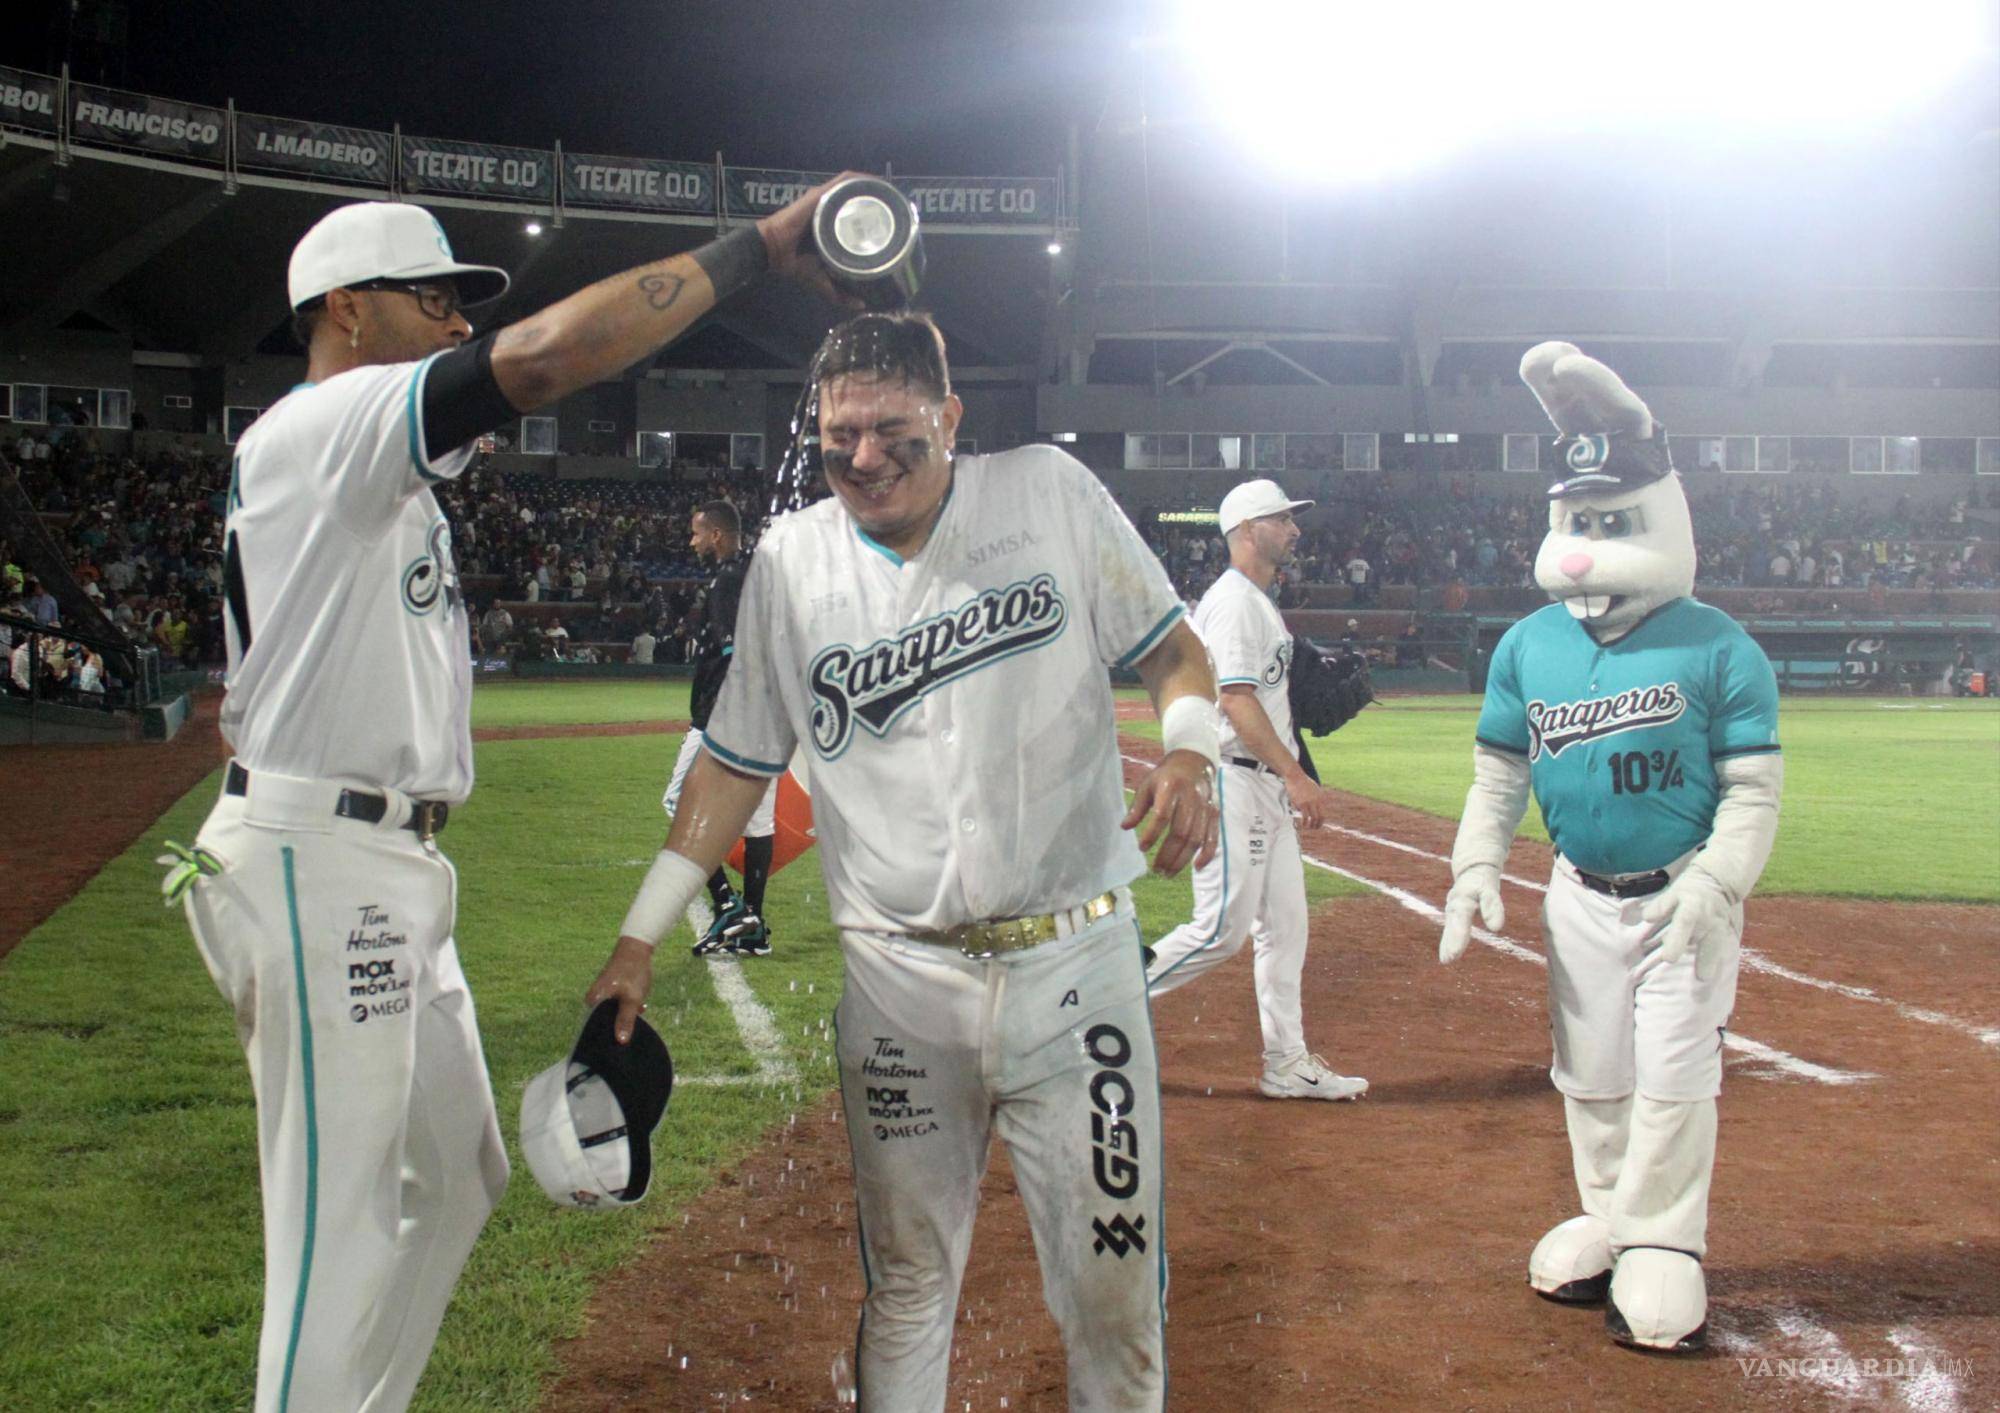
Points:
[[716, 939], [751, 937], [1591, 1290], [1693, 1342]]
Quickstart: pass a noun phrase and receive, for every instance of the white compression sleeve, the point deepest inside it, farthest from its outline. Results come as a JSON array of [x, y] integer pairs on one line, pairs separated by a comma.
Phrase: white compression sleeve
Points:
[[1493, 809], [1746, 822], [670, 885]]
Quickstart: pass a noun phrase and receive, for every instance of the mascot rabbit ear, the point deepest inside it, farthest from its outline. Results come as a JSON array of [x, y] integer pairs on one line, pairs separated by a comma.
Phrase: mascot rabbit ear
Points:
[[1581, 395]]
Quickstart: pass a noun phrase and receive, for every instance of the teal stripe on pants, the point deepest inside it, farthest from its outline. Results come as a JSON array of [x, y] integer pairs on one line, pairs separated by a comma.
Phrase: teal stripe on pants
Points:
[[312, 1131]]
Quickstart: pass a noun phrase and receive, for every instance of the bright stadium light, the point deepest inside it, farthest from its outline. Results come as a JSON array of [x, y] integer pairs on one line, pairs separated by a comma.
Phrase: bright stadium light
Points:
[[1353, 91], [533, 228], [1055, 247]]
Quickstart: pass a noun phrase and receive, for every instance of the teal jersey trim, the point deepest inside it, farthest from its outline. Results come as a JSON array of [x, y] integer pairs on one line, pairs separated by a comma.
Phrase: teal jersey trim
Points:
[[729, 757], [1145, 646], [312, 1133], [1222, 901], [301, 387], [879, 548], [416, 441]]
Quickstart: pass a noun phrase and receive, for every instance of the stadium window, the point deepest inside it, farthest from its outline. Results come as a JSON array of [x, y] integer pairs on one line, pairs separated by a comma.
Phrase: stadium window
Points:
[[1864, 456], [31, 402], [655, 450], [6, 402], [1361, 451], [1739, 454], [1774, 455], [1988, 463], [1903, 456], [1946, 456], [1522, 451], [746, 451], [1267, 451], [1215, 453], [538, 436], [236, 421], [114, 408]]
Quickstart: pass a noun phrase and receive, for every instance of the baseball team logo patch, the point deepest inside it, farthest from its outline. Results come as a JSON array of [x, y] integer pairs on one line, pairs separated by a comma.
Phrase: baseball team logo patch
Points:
[[876, 684], [1588, 453], [1553, 727]]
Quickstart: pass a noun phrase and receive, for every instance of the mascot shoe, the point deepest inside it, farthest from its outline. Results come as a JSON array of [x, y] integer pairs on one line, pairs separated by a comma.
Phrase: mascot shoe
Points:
[[1572, 1264], [1658, 1301]]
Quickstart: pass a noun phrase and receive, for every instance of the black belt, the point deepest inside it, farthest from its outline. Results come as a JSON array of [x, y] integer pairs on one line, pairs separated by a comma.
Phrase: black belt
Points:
[[1643, 886], [427, 819], [1249, 764]]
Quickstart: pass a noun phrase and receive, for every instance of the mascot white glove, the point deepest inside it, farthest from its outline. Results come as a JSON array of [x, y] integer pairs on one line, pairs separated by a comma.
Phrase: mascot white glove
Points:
[[1475, 890], [1696, 912], [1493, 809]]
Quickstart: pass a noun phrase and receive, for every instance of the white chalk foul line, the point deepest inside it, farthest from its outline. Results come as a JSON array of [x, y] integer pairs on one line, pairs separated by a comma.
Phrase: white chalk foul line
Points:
[[1988, 1036], [1765, 1054], [753, 1022]]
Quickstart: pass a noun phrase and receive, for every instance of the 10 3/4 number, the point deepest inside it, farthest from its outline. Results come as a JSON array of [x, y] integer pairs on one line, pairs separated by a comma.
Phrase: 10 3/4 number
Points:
[[1636, 772]]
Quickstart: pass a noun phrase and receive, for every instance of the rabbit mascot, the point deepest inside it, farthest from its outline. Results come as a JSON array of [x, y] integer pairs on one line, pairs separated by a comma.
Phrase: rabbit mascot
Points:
[[1646, 724]]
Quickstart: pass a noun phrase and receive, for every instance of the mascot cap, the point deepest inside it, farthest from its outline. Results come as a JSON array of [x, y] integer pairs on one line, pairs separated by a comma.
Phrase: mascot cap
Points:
[[587, 1122], [1602, 463]]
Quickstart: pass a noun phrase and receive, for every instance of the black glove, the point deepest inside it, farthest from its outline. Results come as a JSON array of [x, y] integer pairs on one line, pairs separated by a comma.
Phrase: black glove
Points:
[[1328, 687]]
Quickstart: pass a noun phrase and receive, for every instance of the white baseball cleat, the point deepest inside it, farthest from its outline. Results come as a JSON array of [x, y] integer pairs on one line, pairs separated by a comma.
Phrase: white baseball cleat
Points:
[[1310, 1077]]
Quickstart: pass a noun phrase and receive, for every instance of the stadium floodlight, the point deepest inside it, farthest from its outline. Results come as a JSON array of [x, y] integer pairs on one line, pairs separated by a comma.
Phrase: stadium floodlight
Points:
[[1343, 89], [533, 228], [1055, 247]]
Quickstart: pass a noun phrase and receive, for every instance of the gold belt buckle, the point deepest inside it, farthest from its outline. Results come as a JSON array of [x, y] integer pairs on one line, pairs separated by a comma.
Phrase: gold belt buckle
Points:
[[979, 941]]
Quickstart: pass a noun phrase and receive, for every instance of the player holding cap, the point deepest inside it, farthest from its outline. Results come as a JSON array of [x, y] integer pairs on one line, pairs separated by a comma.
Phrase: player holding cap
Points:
[[936, 636], [317, 893], [1255, 887]]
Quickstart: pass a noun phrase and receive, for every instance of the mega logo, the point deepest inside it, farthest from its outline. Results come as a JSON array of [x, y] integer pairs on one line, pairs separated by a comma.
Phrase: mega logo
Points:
[[1114, 1142], [1555, 727], [875, 685], [431, 576]]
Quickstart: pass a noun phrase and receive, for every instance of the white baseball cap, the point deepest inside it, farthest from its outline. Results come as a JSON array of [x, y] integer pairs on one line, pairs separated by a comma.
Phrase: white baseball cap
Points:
[[383, 240], [1254, 499], [587, 1122]]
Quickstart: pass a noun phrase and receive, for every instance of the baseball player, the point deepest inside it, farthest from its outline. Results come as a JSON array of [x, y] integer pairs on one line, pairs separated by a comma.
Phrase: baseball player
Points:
[[1255, 887], [317, 893], [1647, 726], [936, 635], [736, 923]]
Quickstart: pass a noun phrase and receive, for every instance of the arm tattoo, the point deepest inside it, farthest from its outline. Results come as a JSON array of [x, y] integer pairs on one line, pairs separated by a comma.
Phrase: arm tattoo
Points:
[[662, 290]]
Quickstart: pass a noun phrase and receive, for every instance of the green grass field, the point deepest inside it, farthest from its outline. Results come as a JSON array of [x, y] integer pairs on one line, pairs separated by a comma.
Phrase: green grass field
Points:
[[1882, 799], [130, 1247]]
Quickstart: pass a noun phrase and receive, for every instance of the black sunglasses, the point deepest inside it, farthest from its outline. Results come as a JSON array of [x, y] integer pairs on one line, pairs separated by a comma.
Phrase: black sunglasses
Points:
[[438, 301]]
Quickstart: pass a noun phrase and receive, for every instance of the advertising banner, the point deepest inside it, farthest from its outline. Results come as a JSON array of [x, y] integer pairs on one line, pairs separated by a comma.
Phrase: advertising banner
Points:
[[164, 125], [638, 184], [317, 149], [478, 169], [982, 201], [27, 100]]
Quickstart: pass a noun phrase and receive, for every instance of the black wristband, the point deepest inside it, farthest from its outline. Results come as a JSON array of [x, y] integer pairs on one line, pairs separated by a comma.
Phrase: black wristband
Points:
[[734, 261]]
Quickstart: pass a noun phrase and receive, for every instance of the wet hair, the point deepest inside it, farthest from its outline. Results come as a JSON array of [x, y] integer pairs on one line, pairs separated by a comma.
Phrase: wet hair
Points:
[[722, 515], [904, 347]]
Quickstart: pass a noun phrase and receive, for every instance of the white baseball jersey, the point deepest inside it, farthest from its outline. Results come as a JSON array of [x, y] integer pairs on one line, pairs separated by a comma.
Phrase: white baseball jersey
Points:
[[347, 634], [1248, 642], [956, 707]]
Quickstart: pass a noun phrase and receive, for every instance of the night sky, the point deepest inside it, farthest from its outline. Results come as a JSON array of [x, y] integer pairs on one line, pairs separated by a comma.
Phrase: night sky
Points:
[[945, 88]]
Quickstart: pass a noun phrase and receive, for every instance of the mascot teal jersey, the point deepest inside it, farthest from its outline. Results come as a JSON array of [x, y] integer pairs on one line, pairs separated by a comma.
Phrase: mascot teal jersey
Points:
[[1623, 737]]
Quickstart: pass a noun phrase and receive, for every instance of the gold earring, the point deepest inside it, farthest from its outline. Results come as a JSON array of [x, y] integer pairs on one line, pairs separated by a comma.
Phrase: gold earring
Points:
[[354, 337]]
